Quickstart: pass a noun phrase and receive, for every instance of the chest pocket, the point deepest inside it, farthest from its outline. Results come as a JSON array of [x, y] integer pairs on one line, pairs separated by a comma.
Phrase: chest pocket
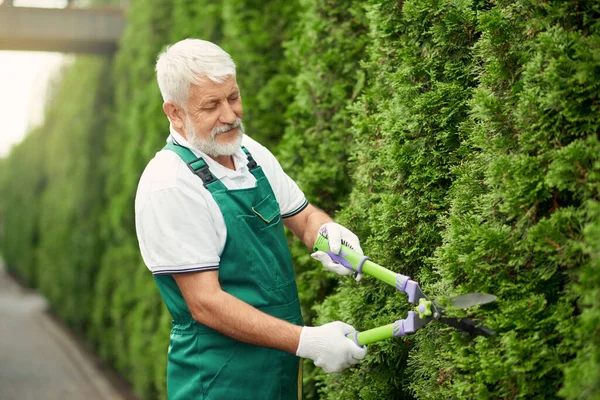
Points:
[[270, 268], [267, 210]]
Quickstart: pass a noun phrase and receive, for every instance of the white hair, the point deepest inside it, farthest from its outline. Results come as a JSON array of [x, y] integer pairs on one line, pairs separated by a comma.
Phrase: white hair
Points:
[[184, 62]]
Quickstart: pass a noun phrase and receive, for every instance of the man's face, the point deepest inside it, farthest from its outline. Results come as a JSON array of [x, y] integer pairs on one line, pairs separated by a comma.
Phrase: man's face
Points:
[[213, 120]]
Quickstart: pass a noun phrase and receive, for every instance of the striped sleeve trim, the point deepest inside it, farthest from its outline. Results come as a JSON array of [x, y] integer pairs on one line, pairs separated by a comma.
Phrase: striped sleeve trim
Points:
[[185, 270], [297, 211]]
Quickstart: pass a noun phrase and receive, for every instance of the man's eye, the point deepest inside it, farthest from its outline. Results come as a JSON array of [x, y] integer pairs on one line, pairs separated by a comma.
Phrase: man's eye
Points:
[[234, 98], [209, 107]]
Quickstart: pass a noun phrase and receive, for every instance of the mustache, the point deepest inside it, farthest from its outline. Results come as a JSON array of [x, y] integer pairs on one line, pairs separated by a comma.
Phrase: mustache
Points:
[[227, 127]]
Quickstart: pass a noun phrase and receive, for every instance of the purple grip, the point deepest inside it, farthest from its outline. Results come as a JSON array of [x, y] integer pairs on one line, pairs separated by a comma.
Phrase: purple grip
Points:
[[403, 327], [340, 260], [406, 285]]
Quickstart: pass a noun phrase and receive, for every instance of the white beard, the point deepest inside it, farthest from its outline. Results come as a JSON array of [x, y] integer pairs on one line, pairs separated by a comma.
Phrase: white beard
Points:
[[211, 146]]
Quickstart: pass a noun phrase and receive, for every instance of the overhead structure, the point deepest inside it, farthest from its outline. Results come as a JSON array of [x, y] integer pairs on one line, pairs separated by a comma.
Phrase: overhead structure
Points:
[[65, 30]]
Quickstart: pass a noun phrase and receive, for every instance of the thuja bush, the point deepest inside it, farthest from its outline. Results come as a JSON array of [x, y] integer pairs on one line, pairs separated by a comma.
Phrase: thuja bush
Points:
[[253, 33], [129, 323], [524, 217], [407, 129], [582, 373], [22, 185], [327, 46], [51, 194], [69, 218]]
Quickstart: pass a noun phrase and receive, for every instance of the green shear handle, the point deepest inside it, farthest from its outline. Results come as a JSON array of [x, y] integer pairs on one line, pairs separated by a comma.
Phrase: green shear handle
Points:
[[424, 312]]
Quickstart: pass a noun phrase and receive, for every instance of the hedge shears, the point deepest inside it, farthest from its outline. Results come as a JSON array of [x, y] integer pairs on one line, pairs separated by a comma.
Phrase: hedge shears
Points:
[[425, 311]]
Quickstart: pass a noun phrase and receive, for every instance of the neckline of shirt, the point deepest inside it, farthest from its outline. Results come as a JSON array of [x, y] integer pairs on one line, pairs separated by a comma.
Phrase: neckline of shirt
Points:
[[219, 171]]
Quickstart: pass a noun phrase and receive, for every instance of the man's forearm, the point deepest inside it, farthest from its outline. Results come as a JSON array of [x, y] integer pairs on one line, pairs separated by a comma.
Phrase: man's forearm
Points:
[[239, 320], [305, 225], [314, 221]]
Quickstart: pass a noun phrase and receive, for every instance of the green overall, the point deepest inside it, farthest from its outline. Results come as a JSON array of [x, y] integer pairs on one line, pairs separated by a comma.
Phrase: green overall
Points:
[[256, 267]]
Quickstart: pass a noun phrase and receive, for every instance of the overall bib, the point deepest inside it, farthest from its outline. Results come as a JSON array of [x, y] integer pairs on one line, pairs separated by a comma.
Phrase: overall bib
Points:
[[256, 267]]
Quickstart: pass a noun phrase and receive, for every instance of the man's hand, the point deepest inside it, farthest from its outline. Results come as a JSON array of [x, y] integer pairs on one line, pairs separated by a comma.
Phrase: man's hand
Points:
[[337, 235], [328, 346]]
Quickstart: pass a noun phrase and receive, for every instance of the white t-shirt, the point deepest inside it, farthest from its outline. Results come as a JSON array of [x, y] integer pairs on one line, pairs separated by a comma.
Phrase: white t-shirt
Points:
[[180, 227]]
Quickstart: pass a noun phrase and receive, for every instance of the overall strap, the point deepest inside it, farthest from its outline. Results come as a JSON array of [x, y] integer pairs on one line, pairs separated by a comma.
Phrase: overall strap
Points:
[[196, 164], [199, 167], [253, 167], [251, 163]]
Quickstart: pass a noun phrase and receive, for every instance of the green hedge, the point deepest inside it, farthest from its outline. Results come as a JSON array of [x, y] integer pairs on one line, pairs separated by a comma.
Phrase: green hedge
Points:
[[254, 33], [524, 210], [407, 126], [69, 246], [129, 322], [23, 182], [458, 138]]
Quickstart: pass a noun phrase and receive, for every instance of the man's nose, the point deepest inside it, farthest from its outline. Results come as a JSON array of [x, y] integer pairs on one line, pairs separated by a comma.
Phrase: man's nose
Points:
[[228, 116]]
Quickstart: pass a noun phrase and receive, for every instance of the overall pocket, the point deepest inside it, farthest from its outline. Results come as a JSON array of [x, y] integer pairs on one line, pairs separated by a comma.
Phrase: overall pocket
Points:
[[271, 266]]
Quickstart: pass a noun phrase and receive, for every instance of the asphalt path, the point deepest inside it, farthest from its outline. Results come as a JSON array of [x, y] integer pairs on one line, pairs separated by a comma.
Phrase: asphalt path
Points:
[[39, 358]]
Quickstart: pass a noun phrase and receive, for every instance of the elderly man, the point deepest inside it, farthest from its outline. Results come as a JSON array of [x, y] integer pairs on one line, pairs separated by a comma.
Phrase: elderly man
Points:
[[210, 210]]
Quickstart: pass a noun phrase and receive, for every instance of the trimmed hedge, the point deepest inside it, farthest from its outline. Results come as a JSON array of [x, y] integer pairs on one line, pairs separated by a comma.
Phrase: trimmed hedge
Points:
[[524, 210], [407, 127], [23, 182], [328, 44], [254, 33]]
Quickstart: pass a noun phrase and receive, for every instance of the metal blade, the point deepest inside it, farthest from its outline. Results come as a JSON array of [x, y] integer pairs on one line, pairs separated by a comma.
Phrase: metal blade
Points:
[[472, 299], [420, 322], [419, 295], [468, 325]]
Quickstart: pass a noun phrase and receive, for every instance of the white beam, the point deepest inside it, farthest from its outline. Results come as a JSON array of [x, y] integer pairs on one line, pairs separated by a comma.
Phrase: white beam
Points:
[[69, 30]]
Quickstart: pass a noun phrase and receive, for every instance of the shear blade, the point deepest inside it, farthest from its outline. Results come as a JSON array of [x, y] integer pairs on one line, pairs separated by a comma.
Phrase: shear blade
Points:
[[469, 326], [472, 299]]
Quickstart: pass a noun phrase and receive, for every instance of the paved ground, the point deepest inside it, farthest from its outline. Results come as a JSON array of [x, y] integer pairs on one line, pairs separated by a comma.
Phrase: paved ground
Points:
[[38, 358]]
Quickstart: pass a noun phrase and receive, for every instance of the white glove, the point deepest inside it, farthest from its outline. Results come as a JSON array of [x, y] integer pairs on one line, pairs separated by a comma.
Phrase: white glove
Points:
[[336, 235], [328, 346]]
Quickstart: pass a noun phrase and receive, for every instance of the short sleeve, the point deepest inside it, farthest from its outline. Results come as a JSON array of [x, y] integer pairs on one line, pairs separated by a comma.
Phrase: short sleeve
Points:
[[177, 233]]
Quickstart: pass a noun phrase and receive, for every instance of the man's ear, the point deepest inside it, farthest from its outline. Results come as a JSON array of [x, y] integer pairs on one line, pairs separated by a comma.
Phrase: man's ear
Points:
[[176, 116]]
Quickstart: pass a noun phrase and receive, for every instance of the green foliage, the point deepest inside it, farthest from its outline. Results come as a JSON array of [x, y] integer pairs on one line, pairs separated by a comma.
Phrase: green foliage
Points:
[[407, 127], [125, 302], [582, 373], [523, 209], [22, 184], [69, 246], [326, 49], [253, 33]]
